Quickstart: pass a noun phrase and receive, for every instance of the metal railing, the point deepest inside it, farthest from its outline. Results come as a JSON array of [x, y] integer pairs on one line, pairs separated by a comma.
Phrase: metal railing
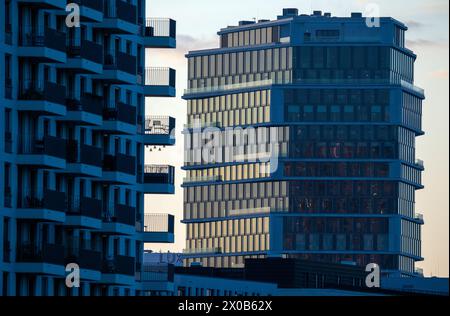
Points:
[[48, 145], [120, 61], [39, 90], [160, 76], [42, 37], [158, 223], [160, 27], [120, 163], [121, 10], [159, 125], [160, 174], [51, 200]]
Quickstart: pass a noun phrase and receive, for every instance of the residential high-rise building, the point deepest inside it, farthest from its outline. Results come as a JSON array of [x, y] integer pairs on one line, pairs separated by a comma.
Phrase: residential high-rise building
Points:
[[73, 130], [300, 143]]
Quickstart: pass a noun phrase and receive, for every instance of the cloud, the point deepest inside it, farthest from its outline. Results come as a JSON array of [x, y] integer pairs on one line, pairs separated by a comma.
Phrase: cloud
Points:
[[440, 74], [414, 24], [425, 43]]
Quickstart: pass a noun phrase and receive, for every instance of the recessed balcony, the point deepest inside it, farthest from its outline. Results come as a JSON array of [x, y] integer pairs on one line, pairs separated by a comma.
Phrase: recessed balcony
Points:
[[119, 169], [159, 179], [86, 109], [118, 68], [42, 97], [158, 228], [119, 118], [159, 131], [39, 259], [119, 17], [160, 33], [50, 206], [42, 45], [84, 212], [47, 152], [159, 82], [119, 219], [83, 56]]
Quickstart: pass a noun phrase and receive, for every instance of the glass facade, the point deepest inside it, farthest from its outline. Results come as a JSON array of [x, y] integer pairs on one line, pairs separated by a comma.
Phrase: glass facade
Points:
[[342, 115]]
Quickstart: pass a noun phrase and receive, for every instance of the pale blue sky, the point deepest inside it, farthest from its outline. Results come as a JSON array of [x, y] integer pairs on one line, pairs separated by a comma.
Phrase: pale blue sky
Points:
[[197, 24]]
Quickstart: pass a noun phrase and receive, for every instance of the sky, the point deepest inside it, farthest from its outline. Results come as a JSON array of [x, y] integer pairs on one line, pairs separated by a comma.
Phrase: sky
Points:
[[197, 24]]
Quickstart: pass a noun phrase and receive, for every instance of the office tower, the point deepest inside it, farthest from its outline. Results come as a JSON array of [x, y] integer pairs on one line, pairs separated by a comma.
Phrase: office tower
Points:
[[72, 136], [300, 143]]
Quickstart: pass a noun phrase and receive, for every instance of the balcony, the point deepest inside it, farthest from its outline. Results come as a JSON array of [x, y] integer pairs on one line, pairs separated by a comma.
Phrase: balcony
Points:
[[84, 56], [118, 68], [45, 4], [159, 179], [160, 82], [83, 160], [50, 206], [42, 97], [119, 169], [84, 212], [40, 259], [7, 193], [119, 219], [119, 119], [158, 228], [159, 131], [84, 110], [119, 17], [8, 89], [42, 45], [160, 33], [48, 253], [419, 218], [119, 265], [48, 152], [89, 261]]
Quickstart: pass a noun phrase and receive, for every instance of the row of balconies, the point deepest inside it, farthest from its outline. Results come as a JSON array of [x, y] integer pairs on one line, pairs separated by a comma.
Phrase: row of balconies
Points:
[[118, 17], [93, 260]]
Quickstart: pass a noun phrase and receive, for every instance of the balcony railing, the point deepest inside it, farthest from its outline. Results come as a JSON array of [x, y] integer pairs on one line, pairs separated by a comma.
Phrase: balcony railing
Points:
[[88, 102], [158, 223], [160, 76], [120, 10], [51, 200], [420, 163], [91, 155], [48, 253], [160, 174], [125, 214], [33, 90], [8, 34], [419, 217], [120, 163], [39, 37], [159, 125], [157, 273], [86, 259], [119, 265], [160, 27], [84, 206], [48, 145], [116, 60], [85, 49], [121, 112]]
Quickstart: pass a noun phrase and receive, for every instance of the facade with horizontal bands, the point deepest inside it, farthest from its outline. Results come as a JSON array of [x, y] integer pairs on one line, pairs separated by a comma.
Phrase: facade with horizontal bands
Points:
[[300, 143]]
